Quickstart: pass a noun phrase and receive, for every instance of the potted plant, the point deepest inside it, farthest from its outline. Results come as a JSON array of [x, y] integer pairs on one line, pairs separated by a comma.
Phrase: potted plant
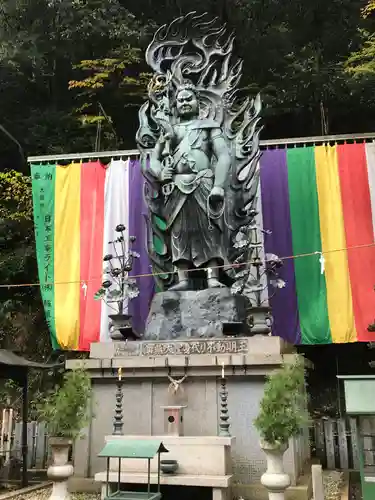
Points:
[[282, 415], [117, 287], [65, 411]]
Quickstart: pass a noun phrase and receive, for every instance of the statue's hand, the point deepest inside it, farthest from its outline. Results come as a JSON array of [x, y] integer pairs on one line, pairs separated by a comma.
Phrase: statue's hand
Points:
[[217, 194], [216, 198], [167, 168], [166, 174]]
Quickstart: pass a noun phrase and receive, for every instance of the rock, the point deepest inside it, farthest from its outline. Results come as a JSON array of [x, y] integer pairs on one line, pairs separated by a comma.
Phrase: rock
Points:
[[196, 314]]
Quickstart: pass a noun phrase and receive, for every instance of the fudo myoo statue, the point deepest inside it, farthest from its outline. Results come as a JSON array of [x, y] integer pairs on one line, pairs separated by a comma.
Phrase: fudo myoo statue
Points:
[[193, 169], [200, 152]]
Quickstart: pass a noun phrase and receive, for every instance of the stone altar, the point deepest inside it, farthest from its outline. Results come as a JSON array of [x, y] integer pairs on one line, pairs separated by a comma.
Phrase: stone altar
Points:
[[145, 369], [202, 462]]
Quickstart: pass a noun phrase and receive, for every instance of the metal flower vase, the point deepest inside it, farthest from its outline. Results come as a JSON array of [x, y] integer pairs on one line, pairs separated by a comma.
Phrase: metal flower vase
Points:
[[275, 479], [60, 470], [121, 327]]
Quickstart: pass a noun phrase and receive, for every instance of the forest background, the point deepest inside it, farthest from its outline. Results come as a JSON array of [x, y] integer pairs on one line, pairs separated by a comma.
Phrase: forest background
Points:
[[69, 68]]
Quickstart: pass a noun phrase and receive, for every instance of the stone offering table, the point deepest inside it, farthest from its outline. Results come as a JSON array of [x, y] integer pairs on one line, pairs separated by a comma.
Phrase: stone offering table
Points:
[[204, 461], [147, 367]]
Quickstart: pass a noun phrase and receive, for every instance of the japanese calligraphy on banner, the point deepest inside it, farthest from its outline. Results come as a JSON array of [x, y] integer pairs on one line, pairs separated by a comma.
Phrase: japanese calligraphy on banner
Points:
[[43, 179], [185, 348], [77, 207]]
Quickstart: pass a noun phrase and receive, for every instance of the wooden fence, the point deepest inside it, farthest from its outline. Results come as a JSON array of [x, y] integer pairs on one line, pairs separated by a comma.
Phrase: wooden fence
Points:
[[37, 440], [335, 442]]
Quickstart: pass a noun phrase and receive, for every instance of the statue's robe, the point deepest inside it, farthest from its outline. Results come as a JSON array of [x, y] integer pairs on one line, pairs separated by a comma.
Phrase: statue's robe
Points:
[[195, 237]]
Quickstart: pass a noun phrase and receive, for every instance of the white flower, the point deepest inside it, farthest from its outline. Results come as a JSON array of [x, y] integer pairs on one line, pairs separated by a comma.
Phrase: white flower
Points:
[[278, 283], [273, 259]]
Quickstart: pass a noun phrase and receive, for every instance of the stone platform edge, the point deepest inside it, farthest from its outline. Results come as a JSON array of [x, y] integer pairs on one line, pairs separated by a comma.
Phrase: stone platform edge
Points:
[[241, 356], [255, 491], [256, 345]]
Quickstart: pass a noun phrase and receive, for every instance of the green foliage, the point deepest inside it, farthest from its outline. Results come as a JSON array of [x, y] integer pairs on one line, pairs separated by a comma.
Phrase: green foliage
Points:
[[11, 397], [21, 311], [283, 406], [38, 383], [15, 198], [66, 409], [361, 63], [369, 8], [300, 74], [45, 45], [108, 76], [22, 323], [97, 47], [118, 73]]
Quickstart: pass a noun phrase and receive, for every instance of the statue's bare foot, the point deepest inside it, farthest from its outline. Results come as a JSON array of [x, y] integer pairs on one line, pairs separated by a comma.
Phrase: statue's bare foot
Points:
[[180, 287], [214, 283]]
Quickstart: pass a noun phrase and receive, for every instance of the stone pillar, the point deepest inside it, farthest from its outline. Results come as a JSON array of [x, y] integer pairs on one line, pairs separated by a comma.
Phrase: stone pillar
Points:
[[317, 482]]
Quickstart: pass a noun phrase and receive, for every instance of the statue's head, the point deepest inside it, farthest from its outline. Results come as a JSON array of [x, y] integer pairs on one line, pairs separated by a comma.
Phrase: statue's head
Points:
[[187, 103]]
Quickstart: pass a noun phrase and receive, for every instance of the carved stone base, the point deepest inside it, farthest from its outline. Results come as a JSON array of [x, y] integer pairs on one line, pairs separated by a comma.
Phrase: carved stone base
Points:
[[196, 314]]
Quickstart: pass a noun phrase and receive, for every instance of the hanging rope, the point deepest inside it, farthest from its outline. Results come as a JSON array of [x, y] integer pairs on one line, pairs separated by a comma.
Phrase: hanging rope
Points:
[[175, 384], [224, 266]]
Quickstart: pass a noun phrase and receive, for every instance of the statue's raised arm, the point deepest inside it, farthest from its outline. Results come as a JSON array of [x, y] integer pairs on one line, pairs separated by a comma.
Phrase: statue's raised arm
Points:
[[200, 152]]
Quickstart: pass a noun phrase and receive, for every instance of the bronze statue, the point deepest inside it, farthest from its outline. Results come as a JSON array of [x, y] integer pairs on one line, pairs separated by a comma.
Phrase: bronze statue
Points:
[[200, 152]]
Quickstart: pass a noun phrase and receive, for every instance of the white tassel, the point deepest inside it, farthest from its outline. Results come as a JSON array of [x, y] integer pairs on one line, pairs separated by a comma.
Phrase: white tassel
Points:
[[322, 262]]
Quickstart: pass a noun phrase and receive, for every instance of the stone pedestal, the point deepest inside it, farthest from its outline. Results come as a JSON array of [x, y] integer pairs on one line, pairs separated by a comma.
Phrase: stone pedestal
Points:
[[146, 366], [196, 313], [275, 479], [60, 470]]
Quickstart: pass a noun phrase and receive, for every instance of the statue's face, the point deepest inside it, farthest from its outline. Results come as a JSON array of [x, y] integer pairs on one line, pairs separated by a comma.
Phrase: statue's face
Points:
[[187, 104]]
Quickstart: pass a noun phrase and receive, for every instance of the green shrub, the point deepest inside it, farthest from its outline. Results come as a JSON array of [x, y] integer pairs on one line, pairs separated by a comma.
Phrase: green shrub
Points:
[[66, 410], [283, 408]]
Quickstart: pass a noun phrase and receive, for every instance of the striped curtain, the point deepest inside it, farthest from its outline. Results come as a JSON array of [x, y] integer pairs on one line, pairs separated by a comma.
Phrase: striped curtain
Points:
[[313, 200], [322, 199], [76, 210]]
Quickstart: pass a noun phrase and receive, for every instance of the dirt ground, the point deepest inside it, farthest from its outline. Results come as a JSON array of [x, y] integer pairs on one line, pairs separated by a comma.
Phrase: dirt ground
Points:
[[45, 493], [333, 481]]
